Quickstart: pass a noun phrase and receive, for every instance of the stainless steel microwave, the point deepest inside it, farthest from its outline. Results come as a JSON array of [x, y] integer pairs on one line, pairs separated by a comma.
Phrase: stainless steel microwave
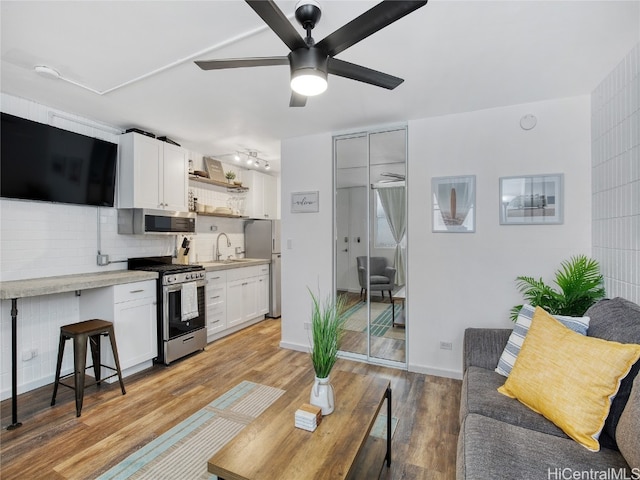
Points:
[[143, 221]]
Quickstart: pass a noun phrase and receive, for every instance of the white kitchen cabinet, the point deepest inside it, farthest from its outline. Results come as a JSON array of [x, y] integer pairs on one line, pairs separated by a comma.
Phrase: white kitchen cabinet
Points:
[[152, 174], [262, 197], [247, 294], [216, 302], [263, 294], [133, 310], [242, 301]]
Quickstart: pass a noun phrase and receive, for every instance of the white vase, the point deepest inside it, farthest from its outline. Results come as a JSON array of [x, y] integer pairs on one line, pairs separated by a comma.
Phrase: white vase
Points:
[[322, 395]]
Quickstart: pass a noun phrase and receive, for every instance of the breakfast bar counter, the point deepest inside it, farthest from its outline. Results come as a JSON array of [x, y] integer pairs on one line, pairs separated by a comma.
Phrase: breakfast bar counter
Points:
[[33, 287]]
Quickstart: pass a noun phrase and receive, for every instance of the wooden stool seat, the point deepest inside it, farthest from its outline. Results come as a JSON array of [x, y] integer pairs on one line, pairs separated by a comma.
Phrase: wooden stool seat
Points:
[[82, 333]]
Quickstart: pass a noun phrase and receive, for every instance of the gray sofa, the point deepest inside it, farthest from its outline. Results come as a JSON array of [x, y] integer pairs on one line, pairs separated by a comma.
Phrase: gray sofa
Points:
[[500, 438]]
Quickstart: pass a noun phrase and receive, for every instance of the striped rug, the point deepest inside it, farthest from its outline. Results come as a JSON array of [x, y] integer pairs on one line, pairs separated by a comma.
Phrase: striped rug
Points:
[[381, 313], [182, 452]]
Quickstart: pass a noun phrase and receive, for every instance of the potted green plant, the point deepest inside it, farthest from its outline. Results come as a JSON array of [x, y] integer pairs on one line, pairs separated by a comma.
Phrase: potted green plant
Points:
[[580, 283], [230, 175], [327, 327]]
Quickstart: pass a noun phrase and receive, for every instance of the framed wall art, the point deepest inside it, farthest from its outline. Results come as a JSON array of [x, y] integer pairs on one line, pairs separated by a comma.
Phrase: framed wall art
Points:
[[214, 169], [454, 204], [305, 202], [531, 199]]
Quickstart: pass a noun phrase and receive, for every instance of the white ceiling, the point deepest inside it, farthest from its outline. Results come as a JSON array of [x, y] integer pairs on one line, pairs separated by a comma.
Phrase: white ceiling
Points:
[[455, 56]]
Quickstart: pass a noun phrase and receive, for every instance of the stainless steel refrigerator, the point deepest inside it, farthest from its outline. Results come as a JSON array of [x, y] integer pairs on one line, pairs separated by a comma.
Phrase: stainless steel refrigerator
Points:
[[262, 240]]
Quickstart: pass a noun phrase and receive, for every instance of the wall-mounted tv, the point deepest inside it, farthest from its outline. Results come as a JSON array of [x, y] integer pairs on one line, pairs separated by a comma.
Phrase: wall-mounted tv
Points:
[[41, 162]]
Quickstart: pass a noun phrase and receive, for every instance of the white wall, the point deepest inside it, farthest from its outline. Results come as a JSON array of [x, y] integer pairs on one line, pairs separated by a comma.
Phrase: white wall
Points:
[[462, 280], [615, 150], [307, 238], [455, 280]]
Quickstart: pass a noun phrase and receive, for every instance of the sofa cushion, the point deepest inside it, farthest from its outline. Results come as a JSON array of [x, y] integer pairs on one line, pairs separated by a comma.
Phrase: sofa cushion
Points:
[[480, 395], [569, 378], [520, 329], [617, 320], [491, 449], [628, 431]]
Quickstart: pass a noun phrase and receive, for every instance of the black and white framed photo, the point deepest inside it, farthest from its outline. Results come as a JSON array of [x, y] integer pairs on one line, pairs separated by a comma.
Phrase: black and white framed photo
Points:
[[305, 202], [531, 199], [454, 204]]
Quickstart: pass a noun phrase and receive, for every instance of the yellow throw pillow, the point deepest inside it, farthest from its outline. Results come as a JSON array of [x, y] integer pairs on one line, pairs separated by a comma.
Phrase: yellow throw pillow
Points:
[[569, 378]]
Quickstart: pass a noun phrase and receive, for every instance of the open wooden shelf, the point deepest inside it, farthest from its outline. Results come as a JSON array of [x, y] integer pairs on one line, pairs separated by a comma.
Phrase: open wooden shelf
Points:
[[217, 183], [206, 214]]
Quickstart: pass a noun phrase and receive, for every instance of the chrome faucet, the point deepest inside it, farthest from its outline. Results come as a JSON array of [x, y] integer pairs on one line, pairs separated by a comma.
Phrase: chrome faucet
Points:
[[218, 255]]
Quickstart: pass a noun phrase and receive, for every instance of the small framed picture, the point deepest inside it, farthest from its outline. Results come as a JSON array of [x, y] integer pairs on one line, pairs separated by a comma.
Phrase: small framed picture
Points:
[[214, 169], [454, 204], [305, 202], [531, 199]]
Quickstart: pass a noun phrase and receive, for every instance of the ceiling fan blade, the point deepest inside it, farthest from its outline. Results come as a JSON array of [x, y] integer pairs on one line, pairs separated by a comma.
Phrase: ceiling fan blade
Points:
[[278, 22], [297, 100], [367, 24], [241, 62], [362, 74]]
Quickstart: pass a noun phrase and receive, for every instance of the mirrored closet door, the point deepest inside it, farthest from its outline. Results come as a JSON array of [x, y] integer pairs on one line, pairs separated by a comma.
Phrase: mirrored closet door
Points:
[[370, 242]]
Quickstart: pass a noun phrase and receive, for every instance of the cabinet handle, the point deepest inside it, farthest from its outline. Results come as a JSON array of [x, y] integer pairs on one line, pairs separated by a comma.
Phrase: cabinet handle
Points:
[[246, 283], [217, 296], [136, 291]]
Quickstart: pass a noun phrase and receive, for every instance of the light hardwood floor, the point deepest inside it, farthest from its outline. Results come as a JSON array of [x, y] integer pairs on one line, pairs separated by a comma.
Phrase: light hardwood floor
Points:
[[54, 444]]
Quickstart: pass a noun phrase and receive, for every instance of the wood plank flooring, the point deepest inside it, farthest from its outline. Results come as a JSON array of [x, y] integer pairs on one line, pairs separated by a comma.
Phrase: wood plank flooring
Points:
[[54, 444]]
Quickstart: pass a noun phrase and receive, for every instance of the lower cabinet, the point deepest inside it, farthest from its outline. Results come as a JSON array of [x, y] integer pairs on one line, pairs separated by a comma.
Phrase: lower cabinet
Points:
[[247, 295], [216, 302], [132, 309]]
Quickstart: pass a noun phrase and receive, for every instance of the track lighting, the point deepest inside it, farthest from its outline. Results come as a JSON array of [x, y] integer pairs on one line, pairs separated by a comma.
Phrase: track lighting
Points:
[[267, 166]]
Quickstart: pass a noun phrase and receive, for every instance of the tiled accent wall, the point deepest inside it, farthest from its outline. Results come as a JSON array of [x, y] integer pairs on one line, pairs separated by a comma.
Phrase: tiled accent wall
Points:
[[615, 152]]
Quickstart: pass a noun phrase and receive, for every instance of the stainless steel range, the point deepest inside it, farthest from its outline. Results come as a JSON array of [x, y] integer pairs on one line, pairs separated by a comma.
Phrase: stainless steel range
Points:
[[178, 334]]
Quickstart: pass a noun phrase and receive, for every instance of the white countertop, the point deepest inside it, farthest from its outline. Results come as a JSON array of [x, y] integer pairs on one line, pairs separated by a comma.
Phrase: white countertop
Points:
[[33, 287]]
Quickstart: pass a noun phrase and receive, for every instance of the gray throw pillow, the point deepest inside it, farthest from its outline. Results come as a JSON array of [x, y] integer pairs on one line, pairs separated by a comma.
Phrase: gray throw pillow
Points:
[[617, 320]]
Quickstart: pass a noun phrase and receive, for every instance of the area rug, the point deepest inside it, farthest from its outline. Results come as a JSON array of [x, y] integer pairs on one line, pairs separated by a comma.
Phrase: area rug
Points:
[[381, 313], [182, 452]]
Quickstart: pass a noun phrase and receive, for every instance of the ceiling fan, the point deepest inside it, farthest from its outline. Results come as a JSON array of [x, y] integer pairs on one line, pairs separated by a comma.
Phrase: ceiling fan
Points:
[[310, 62]]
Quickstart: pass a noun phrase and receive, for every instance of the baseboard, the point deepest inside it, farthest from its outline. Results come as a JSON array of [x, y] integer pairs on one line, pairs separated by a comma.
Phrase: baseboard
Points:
[[436, 372], [298, 347]]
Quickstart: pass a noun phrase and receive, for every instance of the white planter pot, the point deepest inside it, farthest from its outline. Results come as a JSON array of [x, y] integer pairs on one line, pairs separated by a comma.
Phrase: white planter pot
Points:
[[322, 395]]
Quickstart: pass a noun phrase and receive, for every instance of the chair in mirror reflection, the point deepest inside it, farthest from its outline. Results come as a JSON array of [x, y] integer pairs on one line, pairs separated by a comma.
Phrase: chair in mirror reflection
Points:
[[381, 277]]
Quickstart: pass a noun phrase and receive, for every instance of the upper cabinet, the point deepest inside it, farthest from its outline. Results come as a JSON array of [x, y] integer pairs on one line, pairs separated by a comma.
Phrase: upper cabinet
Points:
[[152, 174], [262, 198]]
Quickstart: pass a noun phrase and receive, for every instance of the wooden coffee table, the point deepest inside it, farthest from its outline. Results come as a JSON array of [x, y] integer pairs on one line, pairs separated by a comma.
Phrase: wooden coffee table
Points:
[[271, 447]]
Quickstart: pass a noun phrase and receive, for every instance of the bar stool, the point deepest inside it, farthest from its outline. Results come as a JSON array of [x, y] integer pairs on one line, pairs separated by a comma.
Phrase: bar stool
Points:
[[89, 330]]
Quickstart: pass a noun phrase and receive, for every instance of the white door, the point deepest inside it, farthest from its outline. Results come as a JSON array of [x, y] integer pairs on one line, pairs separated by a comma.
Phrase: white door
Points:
[[175, 178], [234, 302], [138, 319], [250, 298], [343, 263], [148, 186], [263, 294]]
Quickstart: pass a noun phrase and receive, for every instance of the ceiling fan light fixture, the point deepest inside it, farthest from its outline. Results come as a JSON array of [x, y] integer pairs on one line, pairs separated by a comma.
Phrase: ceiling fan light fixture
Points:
[[308, 82]]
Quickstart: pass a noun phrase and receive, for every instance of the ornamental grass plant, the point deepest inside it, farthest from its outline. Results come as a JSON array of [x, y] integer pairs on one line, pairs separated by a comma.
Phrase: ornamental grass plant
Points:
[[327, 328]]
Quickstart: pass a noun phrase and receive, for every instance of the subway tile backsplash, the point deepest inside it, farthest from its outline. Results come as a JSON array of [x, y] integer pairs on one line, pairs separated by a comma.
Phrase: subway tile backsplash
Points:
[[615, 153]]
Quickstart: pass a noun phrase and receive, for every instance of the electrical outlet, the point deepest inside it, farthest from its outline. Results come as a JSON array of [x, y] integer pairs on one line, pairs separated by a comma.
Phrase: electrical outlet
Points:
[[446, 345], [102, 260], [29, 354], [307, 325]]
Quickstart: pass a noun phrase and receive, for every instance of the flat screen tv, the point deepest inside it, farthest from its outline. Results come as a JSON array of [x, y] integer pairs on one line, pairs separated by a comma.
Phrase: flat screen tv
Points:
[[41, 162]]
